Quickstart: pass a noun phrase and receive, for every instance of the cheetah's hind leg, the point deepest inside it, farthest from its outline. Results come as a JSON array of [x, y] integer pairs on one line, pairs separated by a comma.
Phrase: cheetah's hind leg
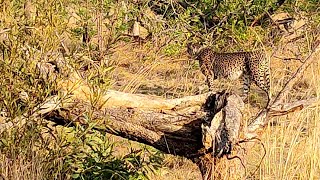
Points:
[[267, 83], [264, 80], [246, 86]]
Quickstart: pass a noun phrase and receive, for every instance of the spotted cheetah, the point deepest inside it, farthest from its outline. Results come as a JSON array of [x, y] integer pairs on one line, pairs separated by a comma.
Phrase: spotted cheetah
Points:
[[252, 66]]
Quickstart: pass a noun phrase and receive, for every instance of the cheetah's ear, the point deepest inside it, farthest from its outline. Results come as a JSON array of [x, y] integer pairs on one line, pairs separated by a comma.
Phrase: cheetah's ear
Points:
[[190, 49], [193, 48]]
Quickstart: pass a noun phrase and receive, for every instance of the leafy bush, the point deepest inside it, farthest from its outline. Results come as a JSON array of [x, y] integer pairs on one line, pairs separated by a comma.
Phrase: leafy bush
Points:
[[40, 33], [93, 158]]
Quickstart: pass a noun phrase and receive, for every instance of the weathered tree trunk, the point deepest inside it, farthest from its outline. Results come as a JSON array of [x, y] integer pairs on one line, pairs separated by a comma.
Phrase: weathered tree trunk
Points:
[[197, 130], [205, 128]]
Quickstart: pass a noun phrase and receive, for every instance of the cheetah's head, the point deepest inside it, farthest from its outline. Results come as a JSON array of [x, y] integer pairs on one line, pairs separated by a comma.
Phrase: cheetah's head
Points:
[[193, 48]]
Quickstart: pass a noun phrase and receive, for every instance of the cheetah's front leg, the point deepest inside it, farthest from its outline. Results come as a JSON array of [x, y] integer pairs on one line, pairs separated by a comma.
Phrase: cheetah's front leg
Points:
[[210, 81]]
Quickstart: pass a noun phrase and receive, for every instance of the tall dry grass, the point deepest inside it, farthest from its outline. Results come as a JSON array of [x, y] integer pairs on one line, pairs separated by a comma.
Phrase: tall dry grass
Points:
[[292, 142]]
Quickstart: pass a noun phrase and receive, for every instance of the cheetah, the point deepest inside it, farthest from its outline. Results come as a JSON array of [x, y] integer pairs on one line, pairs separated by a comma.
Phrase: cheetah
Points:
[[252, 66]]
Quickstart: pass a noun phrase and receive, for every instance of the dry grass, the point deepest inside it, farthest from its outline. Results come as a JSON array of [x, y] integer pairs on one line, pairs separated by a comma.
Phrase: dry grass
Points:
[[141, 69], [19, 168], [292, 148]]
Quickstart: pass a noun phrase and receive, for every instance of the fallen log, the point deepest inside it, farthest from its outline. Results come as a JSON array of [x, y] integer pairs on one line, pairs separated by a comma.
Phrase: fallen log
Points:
[[203, 126]]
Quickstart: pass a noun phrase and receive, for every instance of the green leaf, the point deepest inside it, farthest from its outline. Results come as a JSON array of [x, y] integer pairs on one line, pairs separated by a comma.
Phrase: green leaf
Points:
[[75, 176]]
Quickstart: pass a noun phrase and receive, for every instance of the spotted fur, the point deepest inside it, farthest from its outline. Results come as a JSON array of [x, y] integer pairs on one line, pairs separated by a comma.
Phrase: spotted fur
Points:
[[252, 66]]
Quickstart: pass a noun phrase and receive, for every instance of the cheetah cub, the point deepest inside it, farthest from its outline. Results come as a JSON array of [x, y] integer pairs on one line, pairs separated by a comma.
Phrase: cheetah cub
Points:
[[252, 66]]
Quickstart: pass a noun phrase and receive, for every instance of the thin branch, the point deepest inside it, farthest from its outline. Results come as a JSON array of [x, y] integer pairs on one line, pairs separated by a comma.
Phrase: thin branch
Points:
[[5, 30], [314, 56], [277, 107], [50, 104], [268, 13], [289, 58], [293, 107]]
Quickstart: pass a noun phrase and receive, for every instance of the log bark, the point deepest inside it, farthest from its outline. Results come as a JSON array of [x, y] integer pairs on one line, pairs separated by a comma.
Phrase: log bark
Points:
[[203, 127], [174, 131]]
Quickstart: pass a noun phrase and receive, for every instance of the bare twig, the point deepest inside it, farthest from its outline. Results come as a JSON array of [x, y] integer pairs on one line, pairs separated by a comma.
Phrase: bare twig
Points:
[[289, 58], [278, 107], [314, 56], [5, 30], [49, 105]]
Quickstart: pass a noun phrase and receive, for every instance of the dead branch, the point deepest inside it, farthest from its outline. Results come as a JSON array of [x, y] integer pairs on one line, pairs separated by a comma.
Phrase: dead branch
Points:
[[287, 108], [289, 58], [278, 107], [296, 77], [49, 105], [266, 14]]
